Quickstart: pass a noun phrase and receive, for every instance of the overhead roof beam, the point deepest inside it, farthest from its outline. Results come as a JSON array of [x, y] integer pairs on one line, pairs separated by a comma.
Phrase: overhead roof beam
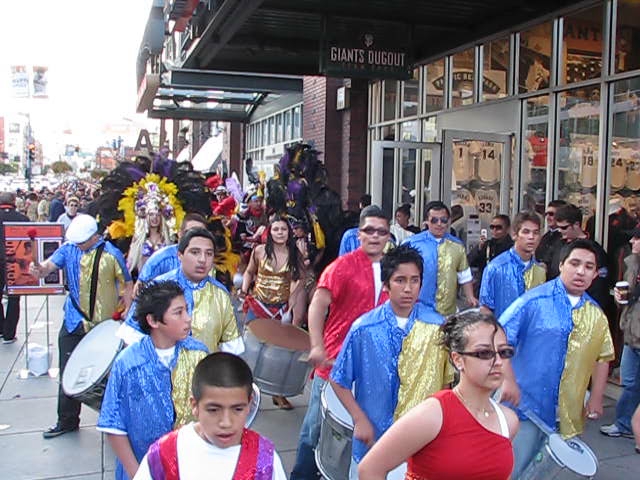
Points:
[[233, 82], [200, 114]]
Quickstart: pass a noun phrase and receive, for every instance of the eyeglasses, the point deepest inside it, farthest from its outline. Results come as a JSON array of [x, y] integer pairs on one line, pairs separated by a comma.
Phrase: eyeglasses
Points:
[[495, 227], [436, 220], [563, 227], [504, 353], [549, 214], [372, 230], [73, 205]]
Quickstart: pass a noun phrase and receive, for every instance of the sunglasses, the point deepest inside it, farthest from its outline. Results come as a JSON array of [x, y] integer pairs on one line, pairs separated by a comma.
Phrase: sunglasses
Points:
[[563, 227], [549, 214], [495, 227], [436, 220], [372, 230], [504, 353]]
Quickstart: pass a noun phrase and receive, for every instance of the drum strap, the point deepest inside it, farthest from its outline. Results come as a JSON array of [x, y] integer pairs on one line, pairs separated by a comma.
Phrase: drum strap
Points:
[[93, 288]]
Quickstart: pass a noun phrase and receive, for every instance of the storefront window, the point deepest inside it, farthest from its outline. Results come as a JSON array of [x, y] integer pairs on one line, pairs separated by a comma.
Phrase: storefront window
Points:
[[407, 191], [287, 125], [495, 74], [463, 72], [582, 46], [535, 58], [410, 131], [272, 130], [534, 165], [297, 131], [410, 95], [429, 132], [389, 132], [434, 91], [390, 99], [624, 157], [374, 102], [628, 36], [265, 132], [279, 129], [578, 155]]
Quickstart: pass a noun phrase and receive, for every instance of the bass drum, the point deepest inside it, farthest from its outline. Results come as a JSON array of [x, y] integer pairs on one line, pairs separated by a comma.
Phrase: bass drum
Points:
[[87, 371], [254, 406]]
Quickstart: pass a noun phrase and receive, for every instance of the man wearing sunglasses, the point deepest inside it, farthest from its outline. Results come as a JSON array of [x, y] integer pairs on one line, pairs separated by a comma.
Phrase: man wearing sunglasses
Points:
[[445, 262], [488, 249], [562, 341], [569, 224], [513, 272], [552, 240], [349, 287]]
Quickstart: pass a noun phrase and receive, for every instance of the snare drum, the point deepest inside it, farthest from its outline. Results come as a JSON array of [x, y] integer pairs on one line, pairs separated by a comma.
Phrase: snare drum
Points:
[[333, 453], [276, 370], [558, 454], [87, 370]]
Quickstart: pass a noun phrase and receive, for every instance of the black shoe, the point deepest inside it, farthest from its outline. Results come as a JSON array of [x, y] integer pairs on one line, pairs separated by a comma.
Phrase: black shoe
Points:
[[57, 430]]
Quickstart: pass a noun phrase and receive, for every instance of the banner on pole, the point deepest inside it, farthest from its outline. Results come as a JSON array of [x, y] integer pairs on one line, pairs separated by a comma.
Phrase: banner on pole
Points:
[[25, 243]]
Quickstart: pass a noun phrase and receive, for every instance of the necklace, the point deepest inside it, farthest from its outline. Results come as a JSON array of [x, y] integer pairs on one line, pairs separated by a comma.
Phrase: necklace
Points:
[[482, 411]]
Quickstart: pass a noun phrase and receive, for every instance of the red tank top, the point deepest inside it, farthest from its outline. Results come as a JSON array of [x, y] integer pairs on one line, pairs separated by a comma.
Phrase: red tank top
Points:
[[463, 450]]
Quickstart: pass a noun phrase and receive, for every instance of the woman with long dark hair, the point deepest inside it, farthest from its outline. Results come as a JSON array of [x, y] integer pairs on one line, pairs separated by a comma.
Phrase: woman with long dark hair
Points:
[[277, 297]]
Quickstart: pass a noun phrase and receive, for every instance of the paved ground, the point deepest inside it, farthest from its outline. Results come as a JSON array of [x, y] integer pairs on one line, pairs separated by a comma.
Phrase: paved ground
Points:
[[28, 406]]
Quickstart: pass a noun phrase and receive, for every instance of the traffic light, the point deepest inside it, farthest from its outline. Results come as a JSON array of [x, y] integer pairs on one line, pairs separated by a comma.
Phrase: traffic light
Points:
[[31, 152]]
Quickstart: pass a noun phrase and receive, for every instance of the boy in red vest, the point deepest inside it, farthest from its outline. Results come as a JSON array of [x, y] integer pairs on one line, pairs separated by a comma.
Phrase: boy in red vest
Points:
[[218, 443]]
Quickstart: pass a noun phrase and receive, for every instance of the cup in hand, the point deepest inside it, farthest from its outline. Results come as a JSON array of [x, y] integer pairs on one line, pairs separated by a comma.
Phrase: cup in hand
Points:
[[623, 291]]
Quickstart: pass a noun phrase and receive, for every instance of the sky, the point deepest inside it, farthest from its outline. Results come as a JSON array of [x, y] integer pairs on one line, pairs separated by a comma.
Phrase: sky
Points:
[[90, 48]]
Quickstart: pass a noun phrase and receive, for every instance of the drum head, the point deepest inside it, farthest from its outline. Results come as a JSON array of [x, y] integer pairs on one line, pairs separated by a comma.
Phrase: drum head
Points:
[[253, 406], [574, 454], [92, 358], [333, 405]]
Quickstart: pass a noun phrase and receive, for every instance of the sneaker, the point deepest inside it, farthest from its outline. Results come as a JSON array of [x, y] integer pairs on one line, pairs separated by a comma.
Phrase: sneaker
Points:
[[7, 341], [57, 430], [613, 431]]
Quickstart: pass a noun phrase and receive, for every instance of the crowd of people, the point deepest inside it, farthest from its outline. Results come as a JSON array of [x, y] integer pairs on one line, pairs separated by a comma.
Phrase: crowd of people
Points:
[[432, 350]]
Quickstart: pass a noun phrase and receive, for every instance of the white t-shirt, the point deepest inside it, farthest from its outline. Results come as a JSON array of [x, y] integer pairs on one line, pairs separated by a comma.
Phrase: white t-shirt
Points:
[[377, 281], [402, 321], [198, 459], [573, 299], [166, 355]]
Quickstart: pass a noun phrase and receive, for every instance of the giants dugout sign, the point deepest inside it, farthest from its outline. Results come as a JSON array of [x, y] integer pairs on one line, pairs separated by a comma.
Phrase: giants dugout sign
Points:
[[362, 52], [25, 243]]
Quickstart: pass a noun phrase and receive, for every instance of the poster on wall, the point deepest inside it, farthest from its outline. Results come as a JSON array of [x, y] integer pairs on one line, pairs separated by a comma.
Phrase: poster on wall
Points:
[[40, 81], [19, 81], [26, 243]]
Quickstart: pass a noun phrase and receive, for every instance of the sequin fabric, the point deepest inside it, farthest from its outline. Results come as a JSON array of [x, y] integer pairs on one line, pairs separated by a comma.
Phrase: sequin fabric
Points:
[[539, 324], [162, 261], [256, 457], [423, 366], [181, 385], [368, 360], [442, 262], [138, 398], [350, 280], [272, 286], [78, 266], [589, 342], [507, 277]]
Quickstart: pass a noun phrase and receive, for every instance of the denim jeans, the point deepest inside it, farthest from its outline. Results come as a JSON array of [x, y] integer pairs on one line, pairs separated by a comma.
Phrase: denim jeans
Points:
[[526, 445], [305, 467], [630, 398]]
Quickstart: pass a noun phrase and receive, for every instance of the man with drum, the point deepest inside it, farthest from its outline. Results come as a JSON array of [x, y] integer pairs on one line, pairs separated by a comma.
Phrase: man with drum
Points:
[[562, 341], [351, 286], [392, 354], [97, 278], [445, 262], [513, 272], [208, 302]]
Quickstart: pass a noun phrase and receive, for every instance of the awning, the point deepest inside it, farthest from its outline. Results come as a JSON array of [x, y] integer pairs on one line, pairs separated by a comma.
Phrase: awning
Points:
[[208, 153], [210, 95]]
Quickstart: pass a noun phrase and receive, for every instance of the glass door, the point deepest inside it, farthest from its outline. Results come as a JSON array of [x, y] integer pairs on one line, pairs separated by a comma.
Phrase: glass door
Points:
[[477, 181], [405, 173]]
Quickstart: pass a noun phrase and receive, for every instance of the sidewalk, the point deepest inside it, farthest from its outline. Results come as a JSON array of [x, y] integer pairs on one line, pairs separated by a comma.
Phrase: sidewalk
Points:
[[29, 406]]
